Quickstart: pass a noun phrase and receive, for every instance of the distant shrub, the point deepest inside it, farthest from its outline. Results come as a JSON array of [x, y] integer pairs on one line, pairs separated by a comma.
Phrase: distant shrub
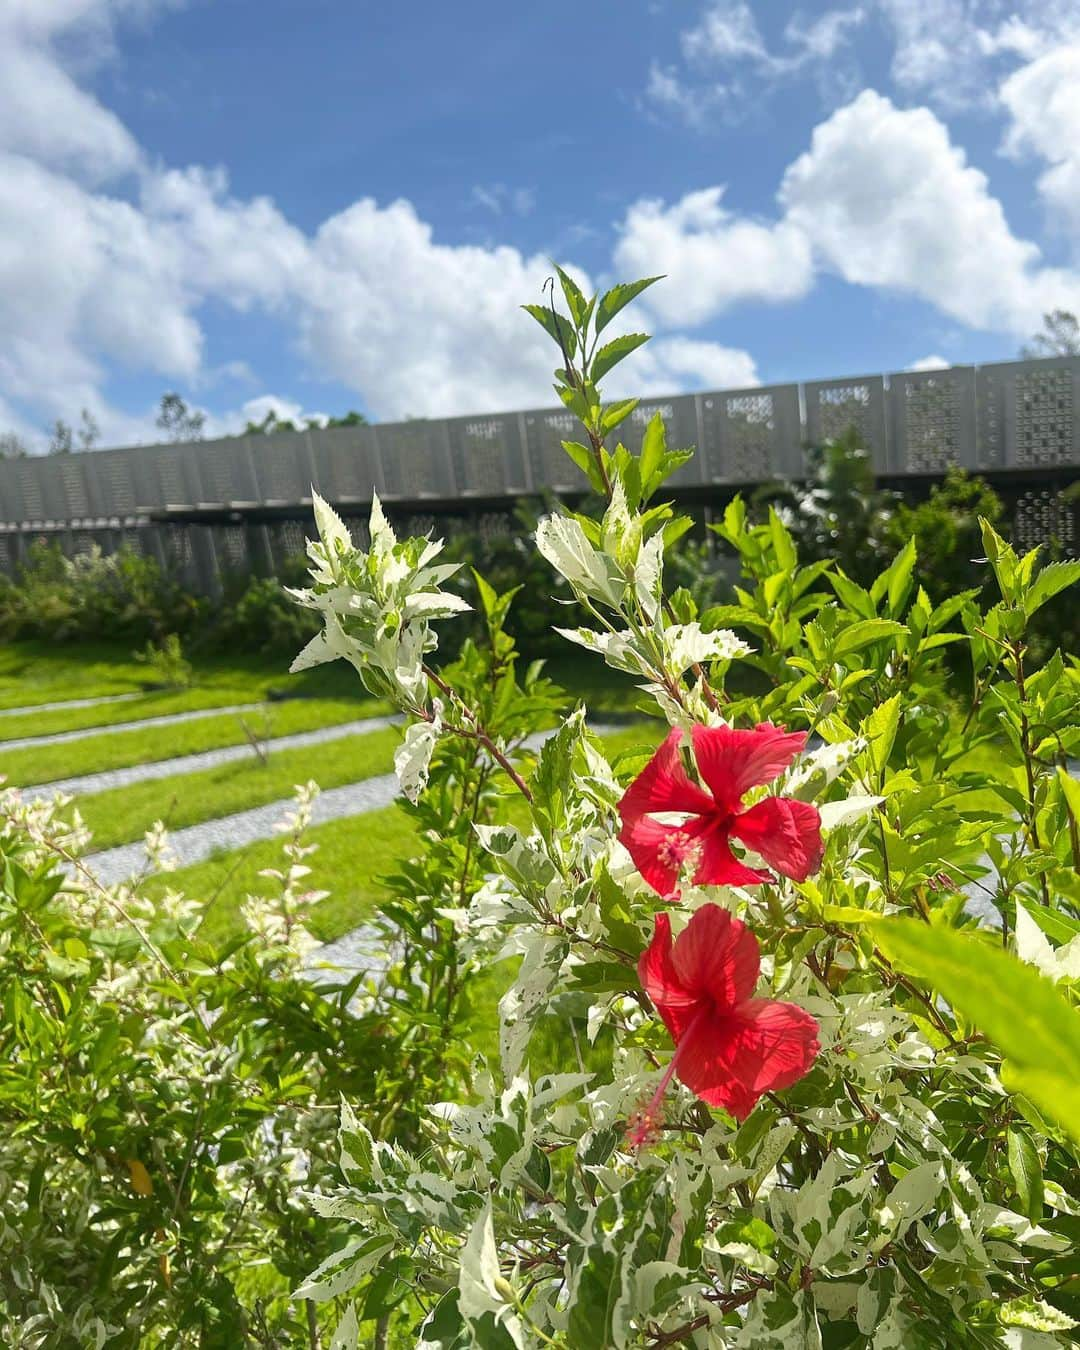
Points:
[[165, 660]]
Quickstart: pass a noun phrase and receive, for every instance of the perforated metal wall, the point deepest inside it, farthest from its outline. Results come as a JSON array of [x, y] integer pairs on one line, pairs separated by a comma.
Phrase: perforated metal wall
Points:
[[1019, 415]]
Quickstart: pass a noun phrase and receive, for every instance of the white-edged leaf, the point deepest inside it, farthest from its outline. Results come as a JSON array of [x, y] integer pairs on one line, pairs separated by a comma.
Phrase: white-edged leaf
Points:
[[412, 759]]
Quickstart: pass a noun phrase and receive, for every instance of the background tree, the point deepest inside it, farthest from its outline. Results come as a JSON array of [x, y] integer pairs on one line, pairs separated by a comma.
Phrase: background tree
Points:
[[64, 436], [1060, 336], [12, 446], [89, 432], [62, 439], [177, 422]]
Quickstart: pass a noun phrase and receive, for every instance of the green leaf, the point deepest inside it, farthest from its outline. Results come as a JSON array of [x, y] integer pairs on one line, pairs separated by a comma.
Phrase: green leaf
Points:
[[879, 730], [616, 413], [555, 770], [584, 458], [618, 297], [575, 301], [852, 595], [615, 351], [895, 581], [1054, 578], [653, 449], [1026, 1172], [444, 1328], [1002, 559], [863, 633], [1022, 1013], [1057, 926], [782, 542], [555, 326]]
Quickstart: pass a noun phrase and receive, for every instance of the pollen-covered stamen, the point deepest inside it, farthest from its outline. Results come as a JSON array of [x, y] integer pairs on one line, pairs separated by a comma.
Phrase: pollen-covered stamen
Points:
[[644, 1126], [678, 849]]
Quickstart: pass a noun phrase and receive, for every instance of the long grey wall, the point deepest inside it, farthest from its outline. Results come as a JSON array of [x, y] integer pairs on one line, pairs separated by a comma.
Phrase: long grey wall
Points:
[[1014, 416]]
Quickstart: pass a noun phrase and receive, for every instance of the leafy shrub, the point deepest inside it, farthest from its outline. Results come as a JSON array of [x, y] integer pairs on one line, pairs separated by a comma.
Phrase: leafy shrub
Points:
[[122, 595], [880, 1147], [165, 660]]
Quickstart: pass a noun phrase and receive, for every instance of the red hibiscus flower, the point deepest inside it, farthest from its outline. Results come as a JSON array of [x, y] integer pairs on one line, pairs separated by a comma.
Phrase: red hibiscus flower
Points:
[[730, 1047], [785, 832]]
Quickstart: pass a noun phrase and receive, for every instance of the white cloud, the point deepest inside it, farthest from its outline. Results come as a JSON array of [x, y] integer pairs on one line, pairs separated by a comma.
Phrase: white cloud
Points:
[[1043, 99], [725, 50], [888, 201], [43, 112], [284, 410], [930, 363], [726, 31], [955, 51], [673, 363], [823, 38], [82, 277], [712, 258], [500, 199], [421, 328]]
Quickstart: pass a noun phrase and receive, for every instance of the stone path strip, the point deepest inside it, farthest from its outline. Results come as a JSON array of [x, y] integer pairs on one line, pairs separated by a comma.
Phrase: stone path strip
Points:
[[163, 720], [206, 759], [196, 843], [25, 711]]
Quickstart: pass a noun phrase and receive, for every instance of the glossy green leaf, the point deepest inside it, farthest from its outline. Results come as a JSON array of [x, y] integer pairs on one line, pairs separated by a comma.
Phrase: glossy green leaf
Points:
[[617, 298], [615, 351]]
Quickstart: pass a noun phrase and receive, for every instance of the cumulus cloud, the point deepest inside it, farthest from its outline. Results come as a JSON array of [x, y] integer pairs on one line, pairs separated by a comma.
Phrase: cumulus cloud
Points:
[[670, 364], [888, 201], [1043, 100], [43, 111], [930, 363], [711, 257]]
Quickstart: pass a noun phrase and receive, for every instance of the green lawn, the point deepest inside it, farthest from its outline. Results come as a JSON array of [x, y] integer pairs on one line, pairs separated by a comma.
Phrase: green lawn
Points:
[[118, 749], [353, 854], [126, 813], [40, 672]]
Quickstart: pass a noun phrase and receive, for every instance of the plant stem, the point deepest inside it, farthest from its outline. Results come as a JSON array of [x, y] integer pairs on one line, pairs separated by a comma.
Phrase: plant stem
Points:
[[477, 733]]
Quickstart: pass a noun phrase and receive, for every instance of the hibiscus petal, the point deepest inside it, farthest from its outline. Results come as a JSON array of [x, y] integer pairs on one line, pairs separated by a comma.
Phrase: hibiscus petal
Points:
[[716, 958], [733, 760], [664, 786], [675, 1004], [645, 839], [785, 832], [764, 1047], [718, 865]]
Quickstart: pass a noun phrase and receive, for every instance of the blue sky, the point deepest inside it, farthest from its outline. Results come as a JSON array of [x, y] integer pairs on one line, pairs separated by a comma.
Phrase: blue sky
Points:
[[322, 204]]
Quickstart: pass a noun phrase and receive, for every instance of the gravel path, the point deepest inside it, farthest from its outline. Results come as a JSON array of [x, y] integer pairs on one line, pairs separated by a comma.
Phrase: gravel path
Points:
[[164, 720], [68, 703], [197, 842], [206, 759]]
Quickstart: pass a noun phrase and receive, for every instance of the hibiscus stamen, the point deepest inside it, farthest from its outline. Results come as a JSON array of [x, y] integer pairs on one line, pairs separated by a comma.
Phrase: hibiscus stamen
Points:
[[644, 1126], [678, 849]]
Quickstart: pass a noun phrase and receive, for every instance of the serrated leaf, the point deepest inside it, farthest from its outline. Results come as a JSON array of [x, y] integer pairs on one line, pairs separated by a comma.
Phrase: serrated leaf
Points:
[[619, 297], [1054, 578], [584, 458], [879, 731], [555, 326], [615, 351], [575, 300], [615, 413], [863, 633]]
